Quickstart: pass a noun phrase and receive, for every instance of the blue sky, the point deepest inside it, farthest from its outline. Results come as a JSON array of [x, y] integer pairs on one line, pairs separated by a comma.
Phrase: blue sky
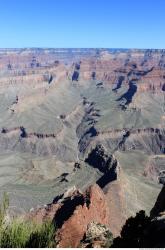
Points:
[[82, 23]]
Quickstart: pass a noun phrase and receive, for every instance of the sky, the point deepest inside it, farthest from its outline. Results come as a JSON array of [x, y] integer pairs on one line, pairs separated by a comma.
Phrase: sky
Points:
[[82, 23]]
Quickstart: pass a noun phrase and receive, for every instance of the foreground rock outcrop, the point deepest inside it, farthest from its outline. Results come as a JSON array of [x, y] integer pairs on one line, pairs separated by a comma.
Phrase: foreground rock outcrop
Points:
[[94, 209], [73, 212]]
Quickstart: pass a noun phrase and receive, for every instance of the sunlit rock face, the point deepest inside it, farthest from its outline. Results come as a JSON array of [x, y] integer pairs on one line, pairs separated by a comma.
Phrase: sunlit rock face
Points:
[[76, 117], [73, 212]]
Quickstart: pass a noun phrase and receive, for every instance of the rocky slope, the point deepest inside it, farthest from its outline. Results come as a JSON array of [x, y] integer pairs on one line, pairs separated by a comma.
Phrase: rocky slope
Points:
[[83, 220], [76, 117], [73, 212]]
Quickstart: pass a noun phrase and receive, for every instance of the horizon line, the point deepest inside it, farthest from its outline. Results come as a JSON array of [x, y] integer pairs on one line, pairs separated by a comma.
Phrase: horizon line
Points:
[[99, 48]]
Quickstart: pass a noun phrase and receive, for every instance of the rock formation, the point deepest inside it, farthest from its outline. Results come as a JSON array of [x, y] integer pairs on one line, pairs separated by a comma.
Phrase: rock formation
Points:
[[80, 117], [97, 235], [72, 213]]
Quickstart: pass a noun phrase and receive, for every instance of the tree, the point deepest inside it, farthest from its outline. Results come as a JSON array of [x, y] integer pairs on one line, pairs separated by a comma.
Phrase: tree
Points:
[[135, 232]]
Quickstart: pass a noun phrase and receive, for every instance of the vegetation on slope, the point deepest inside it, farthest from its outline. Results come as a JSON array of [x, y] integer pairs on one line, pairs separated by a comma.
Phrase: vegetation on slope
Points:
[[17, 233], [138, 231], [141, 231]]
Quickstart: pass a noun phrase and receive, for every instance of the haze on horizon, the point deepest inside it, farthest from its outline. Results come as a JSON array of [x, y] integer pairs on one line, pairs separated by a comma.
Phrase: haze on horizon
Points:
[[82, 23]]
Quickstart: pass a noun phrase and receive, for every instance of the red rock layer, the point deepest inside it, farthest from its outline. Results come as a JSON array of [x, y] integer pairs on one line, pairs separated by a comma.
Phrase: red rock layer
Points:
[[73, 230], [94, 208]]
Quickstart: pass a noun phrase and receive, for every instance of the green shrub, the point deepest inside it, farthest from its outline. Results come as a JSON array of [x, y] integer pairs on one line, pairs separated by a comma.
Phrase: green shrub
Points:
[[15, 234], [43, 236], [25, 234], [20, 234]]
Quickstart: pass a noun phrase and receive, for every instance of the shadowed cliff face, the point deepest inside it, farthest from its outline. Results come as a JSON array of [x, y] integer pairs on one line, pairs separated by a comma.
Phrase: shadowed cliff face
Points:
[[108, 165], [163, 87], [129, 94], [159, 204], [119, 83], [98, 159], [75, 76], [67, 209]]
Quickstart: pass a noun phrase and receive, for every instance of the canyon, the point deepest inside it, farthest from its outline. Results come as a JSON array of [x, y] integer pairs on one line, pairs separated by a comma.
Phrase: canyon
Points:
[[88, 124]]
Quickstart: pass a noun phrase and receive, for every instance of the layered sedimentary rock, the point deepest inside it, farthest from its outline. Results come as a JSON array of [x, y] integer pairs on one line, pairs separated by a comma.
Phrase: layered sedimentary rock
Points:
[[79, 117]]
